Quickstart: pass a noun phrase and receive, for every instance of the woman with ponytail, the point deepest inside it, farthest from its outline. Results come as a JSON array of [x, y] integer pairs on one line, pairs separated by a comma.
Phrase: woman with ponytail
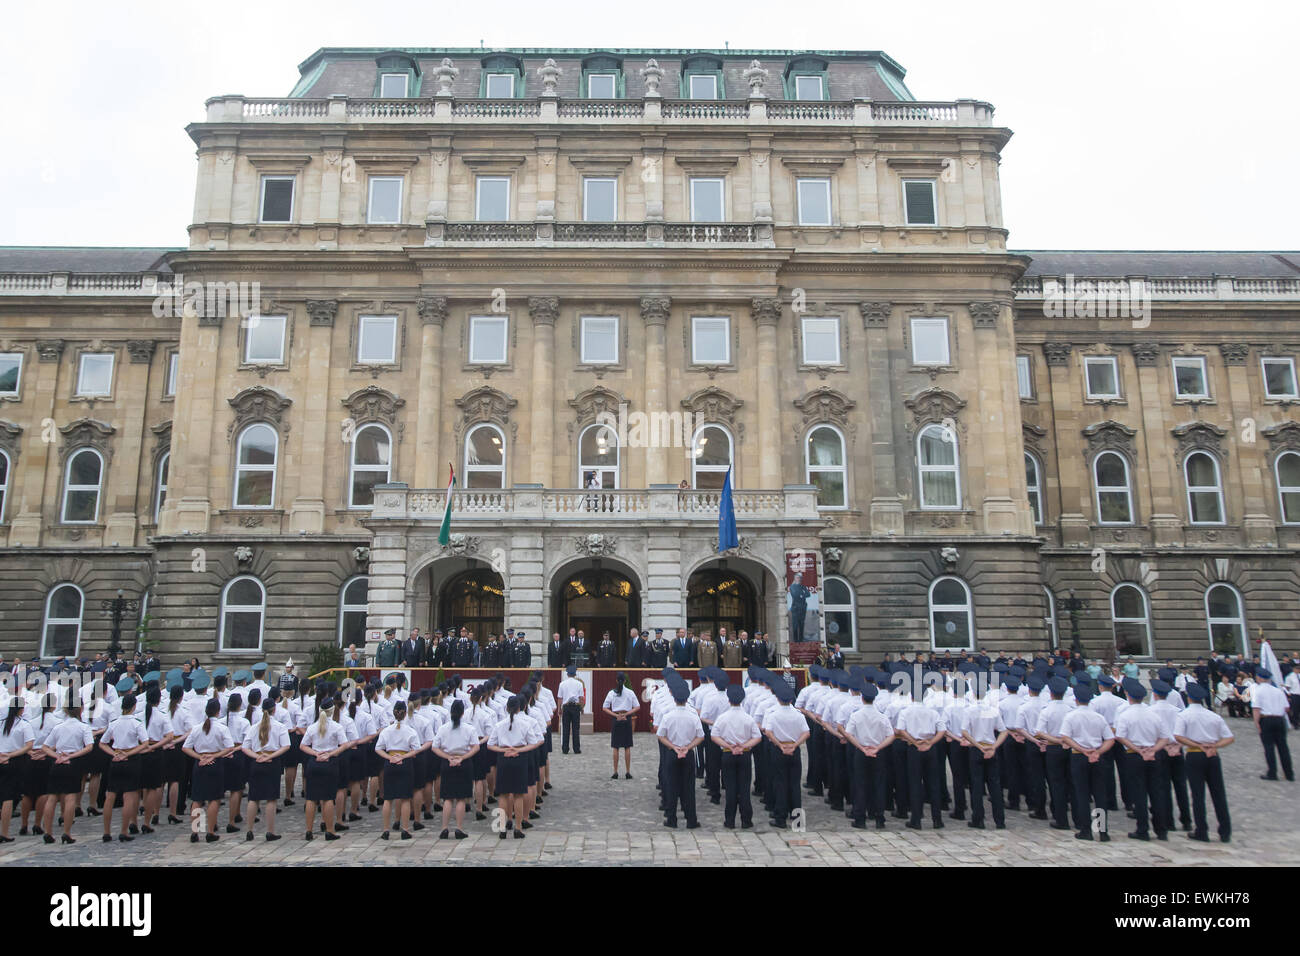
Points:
[[423, 720], [16, 741], [528, 711], [483, 719], [322, 743], [513, 738], [207, 744], [399, 746], [622, 706], [67, 747], [235, 766], [456, 743], [35, 768], [159, 731], [124, 741], [378, 717], [264, 744], [547, 707], [297, 707], [173, 756], [359, 754]]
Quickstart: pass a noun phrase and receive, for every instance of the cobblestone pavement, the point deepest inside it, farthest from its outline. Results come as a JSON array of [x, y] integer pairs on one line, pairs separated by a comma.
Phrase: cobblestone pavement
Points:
[[589, 819]]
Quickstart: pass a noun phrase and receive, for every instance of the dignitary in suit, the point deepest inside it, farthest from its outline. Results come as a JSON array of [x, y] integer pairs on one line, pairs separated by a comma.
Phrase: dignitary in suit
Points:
[[637, 649], [1204, 733], [557, 654], [683, 650], [579, 650]]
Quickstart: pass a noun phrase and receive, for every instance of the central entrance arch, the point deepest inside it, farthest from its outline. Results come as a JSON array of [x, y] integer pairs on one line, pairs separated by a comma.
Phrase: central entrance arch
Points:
[[719, 596], [593, 597], [474, 599]]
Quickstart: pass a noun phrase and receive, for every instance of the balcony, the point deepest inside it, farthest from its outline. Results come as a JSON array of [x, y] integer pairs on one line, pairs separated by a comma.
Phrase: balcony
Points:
[[544, 232]]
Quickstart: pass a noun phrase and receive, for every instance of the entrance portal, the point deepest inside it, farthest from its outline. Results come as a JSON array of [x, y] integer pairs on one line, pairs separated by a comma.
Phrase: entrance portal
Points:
[[594, 600]]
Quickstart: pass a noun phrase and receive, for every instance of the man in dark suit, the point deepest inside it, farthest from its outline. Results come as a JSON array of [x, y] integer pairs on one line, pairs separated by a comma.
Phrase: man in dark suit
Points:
[[411, 649], [683, 652], [758, 651], [557, 655], [836, 658], [579, 651], [636, 649]]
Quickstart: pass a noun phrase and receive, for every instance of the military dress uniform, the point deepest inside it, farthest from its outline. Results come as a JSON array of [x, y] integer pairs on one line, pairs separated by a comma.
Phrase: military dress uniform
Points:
[[680, 727], [1271, 704], [1201, 730], [1085, 731], [784, 724], [868, 730], [606, 653], [1139, 729]]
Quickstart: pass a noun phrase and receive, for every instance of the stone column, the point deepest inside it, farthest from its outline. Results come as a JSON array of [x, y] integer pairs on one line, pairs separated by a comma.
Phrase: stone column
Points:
[[121, 504], [1252, 460], [27, 519], [1069, 443], [1162, 480], [194, 429], [308, 510], [543, 310], [428, 413], [767, 315], [997, 429], [654, 317], [886, 506]]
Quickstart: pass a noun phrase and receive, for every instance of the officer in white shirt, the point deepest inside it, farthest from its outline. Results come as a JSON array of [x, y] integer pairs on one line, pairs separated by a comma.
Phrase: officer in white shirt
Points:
[[1109, 704], [1138, 729], [921, 726], [680, 731], [786, 729], [1087, 736], [124, 741], [621, 706], [1292, 686], [1056, 760], [711, 706], [1035, 753], [985, 732], [869, 733], [1175, 769], [1270, 706], [735, 734], [1204, 733], [572, 697]]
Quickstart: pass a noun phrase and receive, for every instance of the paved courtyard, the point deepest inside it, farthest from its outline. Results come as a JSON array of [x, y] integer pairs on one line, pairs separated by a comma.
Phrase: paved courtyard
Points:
[[589, 819]]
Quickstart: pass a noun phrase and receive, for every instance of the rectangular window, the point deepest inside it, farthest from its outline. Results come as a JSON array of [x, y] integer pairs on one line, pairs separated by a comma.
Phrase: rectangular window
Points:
[[710, 340], [500, 86], [277, 199], [11, 370], [492, 203], [95, 375], [173, 373], [1279, 377], [600, 200], [706, 200], [809, 88], [385, 205], [704, 88], [264, 344], [1102, 377], [602, 86], [599, 339], [487, 339], [1189, 377], [393, 86], [930, 342], [814, 202], [377, 339], [821, 340], [918, 202], [1024, 376]]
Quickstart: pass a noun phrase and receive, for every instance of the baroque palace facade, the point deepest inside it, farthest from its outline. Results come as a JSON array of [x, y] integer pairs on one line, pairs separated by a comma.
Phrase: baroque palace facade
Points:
[[634, 269]]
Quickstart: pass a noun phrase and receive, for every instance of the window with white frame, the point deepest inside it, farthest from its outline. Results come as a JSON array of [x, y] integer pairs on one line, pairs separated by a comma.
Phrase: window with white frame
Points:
[[5, 464], [11, 371], [936, 447], [814, 202], [952, 625], [1034, 484], [602, 86], [173, 374], [1279, 377], [1130, 615], [599, 199], [809, 88], [394, 86], [930, 342], [1286, 469], [485, 457], [1204, 490], [1049, 614], [710, 340], [81, 487], [61, 633], [1226, 617], [371, 464], [256, 455], [500, 86], [703, 86], [160, 485], [821, 340], [1101, 376], [598, 457], [707, 199], [919, 205], [277, 199], [825, 467], [1114, 495], [354, 605], [385, 205], [264, 339], [487, 339], [1024, 377], [492, 199], [599, 339], [840, 612], [710, 456], [1190, 380], [243, 613], [377, 339], [95, 374]]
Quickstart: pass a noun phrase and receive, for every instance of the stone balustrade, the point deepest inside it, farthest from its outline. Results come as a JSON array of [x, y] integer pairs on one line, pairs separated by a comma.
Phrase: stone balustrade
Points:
[[79, 284], [1173, 288]]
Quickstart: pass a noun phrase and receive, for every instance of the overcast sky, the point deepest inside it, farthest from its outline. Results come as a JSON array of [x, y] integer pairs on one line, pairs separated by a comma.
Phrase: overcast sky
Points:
[[1138, 125]]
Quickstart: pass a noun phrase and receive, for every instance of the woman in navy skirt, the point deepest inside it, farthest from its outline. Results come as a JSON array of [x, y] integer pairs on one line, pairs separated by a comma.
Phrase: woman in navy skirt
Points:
[[424, 721], [292, 713], [159, 731], [174, 761], [97, 762], [208, 744], [236, 765], [322, 744], [35, 767], [378, 717], [456, 743], [361, 736], [484, 718], [622, 706], [265, 743], [67, 747], [124, 741], [398, 746], [513, 739], [16, 741]]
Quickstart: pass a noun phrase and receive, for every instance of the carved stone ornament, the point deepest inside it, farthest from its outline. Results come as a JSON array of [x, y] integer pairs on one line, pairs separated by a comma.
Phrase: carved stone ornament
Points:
[[875, 315], [655, 308], [756, 77], [432, 309], [985, 314], [251, 521], [949, 556], [1199, 436], [543, 309], [832, 555], [322, 311], [243, 554], [373, 404], [1283, 437], [745, 545], [825, 404], [445, 74], [652, 74], [141, 350], [1145, 354], [50, 350], [550, 74], [86, 433], [712, 404], [484, 404], [361, 554], [1057, 353], [935, 404], [11, 441], [766, 310], [258, 404], [1234, 353], [1110, 436], [460, 544], [595, 403], [596, 545], [1033, 437]]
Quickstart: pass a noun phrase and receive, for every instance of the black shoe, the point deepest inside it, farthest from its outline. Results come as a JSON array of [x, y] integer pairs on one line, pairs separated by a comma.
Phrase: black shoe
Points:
[[23, 831], [1038, 815], [1139, 836], [747, 826], [937, 825], [194, 837], [715, 800], [548, 786], [172, 819], [93, 812], [957, 815], [1264, 776], [353, 817], [63, 839], [519, 835], [212, 838], [1163, 836], [480, 815], [1059, 826], [437, 807], [534, 815], [671, 824], [627, 776], [1085, 835], [249, 837], [37, 831], [238, 819], [107, 838], [565, 752], [427, 815], [525, 826], [694, 825], [80, 813], [461, 835], [339, 826], [880, 824], [1104, 837], [48, 838], [272, 837], [502, 834], [373, 808], [333, 836], [1199, 837], [231, 828], [417, 825], [859, 824], [976, 826], [288, 801], [444, 835], [133, 829], [1225, 839], [999, 826], [309, 835], [384, 835], [614, 775]]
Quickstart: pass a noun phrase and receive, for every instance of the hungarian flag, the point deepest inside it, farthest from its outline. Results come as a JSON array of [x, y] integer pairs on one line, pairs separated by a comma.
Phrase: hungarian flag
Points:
[[444, 533]]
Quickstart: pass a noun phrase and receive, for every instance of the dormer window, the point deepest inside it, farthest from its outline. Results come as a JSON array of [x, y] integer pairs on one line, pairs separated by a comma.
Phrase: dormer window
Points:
[[602, 77], [500, 86], [398, 76], [702, 78], [394, 86], [502, 77], [602, 86], [806, 79]]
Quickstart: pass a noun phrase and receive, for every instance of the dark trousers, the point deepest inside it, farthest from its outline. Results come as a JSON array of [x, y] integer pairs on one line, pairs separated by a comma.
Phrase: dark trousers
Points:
[[665, 755], [1035, 778], [1146, 783], [835, 778], [1272, 733], [923, 781], [898, 770], [760, 767], [680, 787], [1012, 754], [1177, 769], [735, 775], [1057, 767], [959, 762], [814, 756], [713, 768], [702, 753], [786, 797], [1088, 783], [1111, 759], [867, 786], [1203, 771], [571, 721], [1295, 711], [984, 770]]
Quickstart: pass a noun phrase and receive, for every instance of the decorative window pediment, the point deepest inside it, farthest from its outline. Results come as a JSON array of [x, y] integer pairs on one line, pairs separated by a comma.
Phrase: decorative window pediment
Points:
[[484, 404], [373, 404], [934, 404], [1033, 438], [258, 404], [1110, 436], [87, 433], [1283, 437], [595, 402], [713, 404], [825, 404], [1199, 436], [11, 439]]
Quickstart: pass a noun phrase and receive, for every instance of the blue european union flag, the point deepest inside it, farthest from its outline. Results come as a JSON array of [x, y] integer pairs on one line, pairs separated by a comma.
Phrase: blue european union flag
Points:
[[727, 537]]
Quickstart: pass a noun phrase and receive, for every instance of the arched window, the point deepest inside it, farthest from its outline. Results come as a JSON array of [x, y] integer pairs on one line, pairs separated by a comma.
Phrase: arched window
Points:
[[61, 635], [1034, 483], [354, 604], [243, 611], [936, 455], [160, 490], [598, 456], [825, 468], [1114, 499], [371, 461], [710, 456], [1225, 612], [1049, 615], [1130, 614], [1204, 493], [256, 454], [1287, 471], [485, 457], [81, 487], [951, 624], [4, 483], [840, 610]]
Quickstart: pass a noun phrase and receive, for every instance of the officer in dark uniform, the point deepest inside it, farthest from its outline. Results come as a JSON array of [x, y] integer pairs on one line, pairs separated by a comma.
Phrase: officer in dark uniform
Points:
[[556, 652], [521, 655], [659, 650], [760, 655], [389, 653], [606, 652], [464, 655]]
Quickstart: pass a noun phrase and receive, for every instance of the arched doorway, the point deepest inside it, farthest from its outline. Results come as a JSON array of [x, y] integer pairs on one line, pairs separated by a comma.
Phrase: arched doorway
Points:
[[718, 597], [473, 599], [594, 599]]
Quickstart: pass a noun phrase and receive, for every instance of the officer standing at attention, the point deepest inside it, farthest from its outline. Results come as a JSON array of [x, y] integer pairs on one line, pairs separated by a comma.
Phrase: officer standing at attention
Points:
[[706, 651], [1270, 705], [736, 733], [786, 729], [1056, 760], [985, 731], [1175, 767], [1139, 731], [521, 655], [606, 652], [921, 727], [658, 650], [1087, 736], [1204, 733], [387, 655], [622, 707], [572, 696], [870, 732], [681, 732]]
